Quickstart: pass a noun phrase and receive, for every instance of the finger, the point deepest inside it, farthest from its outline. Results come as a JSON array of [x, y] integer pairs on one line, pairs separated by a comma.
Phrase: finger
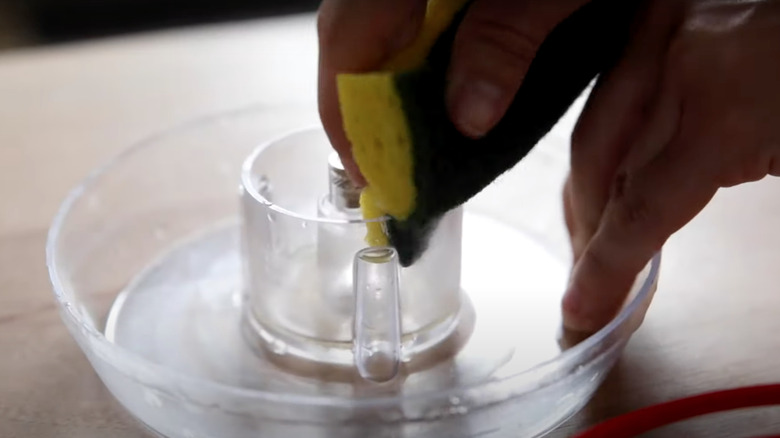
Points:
[[617, 113], [590, 196], [646, 207], [357, 36], [576, 235], [567, 212], [492, 52]]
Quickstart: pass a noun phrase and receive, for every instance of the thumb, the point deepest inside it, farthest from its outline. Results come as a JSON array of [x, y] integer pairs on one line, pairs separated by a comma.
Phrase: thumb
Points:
[[492, 52]]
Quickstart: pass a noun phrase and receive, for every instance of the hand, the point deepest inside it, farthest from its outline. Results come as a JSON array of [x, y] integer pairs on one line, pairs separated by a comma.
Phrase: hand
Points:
[[691, 107], [492, 51]]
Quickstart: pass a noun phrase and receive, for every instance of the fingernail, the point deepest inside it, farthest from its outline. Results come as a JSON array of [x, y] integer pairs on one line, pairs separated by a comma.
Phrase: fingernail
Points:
[[475, 106]]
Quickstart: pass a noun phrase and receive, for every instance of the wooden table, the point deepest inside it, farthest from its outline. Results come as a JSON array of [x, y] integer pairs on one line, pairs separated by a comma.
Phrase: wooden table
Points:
[[63, 110]]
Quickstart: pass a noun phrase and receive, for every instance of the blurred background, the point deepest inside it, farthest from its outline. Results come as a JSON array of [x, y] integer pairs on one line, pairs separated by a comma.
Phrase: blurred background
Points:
[[25, 23]]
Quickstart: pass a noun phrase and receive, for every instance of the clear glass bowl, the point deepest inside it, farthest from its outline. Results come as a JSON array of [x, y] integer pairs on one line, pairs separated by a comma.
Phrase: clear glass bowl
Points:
[[146, 265]]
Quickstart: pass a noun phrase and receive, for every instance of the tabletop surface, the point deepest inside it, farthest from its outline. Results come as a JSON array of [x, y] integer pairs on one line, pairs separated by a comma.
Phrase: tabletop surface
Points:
[[65, 109]]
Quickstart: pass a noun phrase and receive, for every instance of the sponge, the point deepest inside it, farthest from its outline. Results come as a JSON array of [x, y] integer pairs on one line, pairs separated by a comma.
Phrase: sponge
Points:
[[417, 165]]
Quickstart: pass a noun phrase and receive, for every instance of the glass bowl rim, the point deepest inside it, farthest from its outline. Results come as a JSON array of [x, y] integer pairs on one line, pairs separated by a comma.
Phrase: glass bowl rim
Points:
[[133, 365]]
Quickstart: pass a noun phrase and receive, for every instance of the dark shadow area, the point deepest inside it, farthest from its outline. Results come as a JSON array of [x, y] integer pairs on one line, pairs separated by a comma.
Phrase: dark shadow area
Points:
[[55, 21]]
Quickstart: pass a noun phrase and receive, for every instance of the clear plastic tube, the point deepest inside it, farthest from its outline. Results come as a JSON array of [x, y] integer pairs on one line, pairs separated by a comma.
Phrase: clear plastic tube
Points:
[[377, 326]]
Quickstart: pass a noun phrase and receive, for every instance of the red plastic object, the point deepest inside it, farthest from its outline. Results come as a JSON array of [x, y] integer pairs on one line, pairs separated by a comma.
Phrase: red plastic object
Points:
[[652, 417]]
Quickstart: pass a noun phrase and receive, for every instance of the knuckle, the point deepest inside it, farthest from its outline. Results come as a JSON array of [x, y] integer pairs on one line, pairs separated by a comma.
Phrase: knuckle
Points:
[[774, 165], [632, 212], [635, 215], [747, 170], [770, 159], [598, 260], [744, 157], [740, 170]]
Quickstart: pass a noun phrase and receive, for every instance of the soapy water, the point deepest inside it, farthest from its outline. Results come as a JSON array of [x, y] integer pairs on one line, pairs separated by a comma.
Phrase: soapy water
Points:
[[186, 312]]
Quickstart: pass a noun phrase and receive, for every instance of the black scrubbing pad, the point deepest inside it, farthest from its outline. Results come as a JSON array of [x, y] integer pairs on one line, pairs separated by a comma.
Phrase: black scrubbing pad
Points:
[[450, 168]]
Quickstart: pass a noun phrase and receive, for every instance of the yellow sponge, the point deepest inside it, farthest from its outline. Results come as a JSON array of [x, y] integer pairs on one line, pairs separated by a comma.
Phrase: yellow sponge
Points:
[[416, 163]]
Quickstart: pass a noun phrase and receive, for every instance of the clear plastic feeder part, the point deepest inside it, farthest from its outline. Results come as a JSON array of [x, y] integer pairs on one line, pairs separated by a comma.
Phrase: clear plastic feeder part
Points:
[[307, 267], [217, 278]]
